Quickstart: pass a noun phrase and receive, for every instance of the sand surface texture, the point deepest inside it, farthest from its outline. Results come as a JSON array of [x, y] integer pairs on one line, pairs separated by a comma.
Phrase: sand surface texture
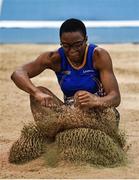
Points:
[[15, 112]]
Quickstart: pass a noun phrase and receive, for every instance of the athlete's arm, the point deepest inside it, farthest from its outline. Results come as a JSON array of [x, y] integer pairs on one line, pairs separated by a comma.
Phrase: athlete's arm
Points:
[[103, 63], [22, 75]]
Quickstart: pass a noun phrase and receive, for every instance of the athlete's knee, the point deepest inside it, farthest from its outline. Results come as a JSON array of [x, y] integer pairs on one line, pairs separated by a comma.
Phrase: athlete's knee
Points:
[[45, 90]]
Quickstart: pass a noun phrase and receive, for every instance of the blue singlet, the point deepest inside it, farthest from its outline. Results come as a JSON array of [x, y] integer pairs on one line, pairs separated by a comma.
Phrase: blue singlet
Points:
[[73, 79]]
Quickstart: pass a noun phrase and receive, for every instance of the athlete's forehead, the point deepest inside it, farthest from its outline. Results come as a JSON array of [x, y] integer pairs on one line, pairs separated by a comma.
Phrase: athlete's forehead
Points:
[[71, 37]]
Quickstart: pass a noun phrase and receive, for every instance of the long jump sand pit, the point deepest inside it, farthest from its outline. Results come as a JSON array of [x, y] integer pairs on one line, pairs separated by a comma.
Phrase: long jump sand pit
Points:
[[15, 112]]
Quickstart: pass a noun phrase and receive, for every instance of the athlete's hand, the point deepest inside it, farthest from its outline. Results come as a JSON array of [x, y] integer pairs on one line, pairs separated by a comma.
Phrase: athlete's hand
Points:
[[84, 99], [44, 99]]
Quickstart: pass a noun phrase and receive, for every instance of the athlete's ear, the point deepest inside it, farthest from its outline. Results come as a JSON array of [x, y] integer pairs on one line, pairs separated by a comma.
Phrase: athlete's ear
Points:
[[86, 38]]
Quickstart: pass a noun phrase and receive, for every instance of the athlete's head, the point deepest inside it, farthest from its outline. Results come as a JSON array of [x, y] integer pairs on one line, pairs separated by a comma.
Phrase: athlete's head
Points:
[[73, 25], [73, 38]]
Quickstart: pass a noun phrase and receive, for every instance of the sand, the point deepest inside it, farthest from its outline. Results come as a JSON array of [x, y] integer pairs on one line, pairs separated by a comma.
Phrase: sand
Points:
[[15, 112]]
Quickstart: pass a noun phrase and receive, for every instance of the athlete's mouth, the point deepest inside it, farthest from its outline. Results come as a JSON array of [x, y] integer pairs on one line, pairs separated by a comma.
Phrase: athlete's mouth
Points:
[[74, 56]]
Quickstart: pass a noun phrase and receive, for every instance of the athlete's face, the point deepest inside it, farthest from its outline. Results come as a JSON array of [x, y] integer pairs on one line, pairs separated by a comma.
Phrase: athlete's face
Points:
[[74, 44]]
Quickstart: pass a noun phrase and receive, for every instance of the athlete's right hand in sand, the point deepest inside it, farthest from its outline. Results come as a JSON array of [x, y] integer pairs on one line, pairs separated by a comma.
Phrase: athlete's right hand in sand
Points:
[[44, 99]]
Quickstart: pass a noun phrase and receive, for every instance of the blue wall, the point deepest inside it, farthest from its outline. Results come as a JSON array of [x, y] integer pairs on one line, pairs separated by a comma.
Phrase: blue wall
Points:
[[63, 9]]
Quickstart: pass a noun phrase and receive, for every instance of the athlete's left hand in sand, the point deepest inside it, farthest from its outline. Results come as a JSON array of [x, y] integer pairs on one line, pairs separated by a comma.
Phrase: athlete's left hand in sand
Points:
[[84, 99]]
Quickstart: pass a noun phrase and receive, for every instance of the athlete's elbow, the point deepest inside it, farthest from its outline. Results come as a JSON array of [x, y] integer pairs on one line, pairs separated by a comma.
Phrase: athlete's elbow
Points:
[[16, 74], [13, 76]]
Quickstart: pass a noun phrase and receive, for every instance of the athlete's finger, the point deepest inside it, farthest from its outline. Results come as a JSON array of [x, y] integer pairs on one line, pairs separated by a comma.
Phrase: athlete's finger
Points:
[[43, 102]]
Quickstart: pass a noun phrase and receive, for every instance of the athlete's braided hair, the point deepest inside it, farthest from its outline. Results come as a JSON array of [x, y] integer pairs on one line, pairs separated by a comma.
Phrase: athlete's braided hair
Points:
[[73, 25]]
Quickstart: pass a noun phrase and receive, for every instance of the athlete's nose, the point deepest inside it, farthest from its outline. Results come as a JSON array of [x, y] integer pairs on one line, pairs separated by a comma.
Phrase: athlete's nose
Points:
[[72, 52]]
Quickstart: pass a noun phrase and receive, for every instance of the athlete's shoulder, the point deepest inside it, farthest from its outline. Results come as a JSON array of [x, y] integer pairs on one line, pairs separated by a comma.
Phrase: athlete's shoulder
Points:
[[51, 59], [101, 57], [99, 50]]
